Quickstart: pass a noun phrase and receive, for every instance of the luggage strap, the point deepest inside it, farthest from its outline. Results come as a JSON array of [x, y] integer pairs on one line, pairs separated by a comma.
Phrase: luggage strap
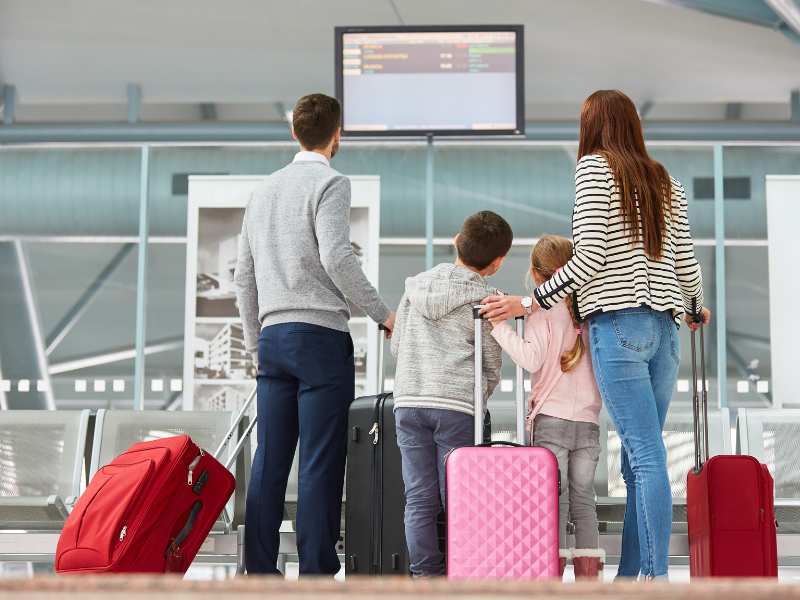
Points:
[[174, 548]]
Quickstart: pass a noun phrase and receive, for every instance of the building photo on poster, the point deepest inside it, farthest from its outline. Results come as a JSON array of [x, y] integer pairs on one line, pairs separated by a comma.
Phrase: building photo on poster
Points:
[[217, 246]]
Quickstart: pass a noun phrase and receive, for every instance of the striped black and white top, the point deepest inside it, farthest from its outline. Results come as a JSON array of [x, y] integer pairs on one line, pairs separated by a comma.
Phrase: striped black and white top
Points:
[[609, 272]]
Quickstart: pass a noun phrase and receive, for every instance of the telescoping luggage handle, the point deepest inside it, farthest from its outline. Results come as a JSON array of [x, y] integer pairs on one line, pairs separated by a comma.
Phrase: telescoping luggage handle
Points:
[[382, 332], [519, 396], [699, 398], [234, 426]]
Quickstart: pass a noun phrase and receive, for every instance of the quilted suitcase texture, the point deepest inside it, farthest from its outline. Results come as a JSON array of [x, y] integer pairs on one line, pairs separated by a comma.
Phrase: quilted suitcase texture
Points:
[[502, 501], [147, 511], [729, 501], [502, 513]]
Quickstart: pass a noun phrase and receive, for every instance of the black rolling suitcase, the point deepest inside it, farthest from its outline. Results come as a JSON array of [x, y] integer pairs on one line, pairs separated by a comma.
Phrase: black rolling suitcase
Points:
[[374, 532], [374, 538]]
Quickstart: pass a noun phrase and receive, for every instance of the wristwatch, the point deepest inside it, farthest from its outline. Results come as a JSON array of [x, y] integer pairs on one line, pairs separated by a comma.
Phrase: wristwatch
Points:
[[527, 304]]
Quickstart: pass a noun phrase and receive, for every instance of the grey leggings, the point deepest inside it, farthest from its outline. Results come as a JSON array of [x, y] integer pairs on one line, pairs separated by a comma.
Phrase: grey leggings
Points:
[[576, 445]]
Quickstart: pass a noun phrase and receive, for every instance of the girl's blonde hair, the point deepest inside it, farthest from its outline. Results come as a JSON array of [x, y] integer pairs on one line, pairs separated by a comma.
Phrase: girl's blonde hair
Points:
[[550, 254]]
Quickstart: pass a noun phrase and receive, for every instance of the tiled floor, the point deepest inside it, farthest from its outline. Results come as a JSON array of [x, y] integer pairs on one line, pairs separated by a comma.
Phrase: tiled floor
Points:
[[199, 572], [677, 573]]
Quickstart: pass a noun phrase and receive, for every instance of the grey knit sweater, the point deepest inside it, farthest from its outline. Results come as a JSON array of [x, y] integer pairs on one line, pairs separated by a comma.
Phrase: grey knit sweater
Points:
[[434, 341], [296, 263]]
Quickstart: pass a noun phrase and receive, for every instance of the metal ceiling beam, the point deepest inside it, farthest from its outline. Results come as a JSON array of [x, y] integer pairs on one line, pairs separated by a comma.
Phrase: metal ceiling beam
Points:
[[76, 311], [747, 11], [249, 132], [644, 108], [9, 104], [134, 93], [22, 342], [733, 111], [397, 12], [208, 111], [112, 356], [779, 15], [788, 11]]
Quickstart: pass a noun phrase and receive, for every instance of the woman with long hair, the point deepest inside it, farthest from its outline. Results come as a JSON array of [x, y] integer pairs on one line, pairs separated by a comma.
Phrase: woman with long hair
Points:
[[635, 276]]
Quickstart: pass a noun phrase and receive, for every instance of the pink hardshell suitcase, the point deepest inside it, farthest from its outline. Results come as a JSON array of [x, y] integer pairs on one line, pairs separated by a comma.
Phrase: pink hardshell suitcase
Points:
[[502, 500]]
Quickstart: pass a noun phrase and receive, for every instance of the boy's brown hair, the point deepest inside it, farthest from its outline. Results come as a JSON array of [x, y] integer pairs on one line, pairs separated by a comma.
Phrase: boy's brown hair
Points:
[[315, 119], [484, 237]]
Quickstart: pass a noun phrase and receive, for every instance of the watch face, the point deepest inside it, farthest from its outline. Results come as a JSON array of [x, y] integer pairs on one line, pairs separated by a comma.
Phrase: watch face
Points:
[[526, 301]]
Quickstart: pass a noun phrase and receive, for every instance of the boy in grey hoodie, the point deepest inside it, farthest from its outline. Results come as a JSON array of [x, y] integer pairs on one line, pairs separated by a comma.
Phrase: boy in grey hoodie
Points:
[[434, 342]]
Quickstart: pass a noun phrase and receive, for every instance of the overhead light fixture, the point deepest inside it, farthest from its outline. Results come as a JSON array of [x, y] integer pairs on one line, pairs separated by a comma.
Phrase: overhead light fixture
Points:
[[788, 11]]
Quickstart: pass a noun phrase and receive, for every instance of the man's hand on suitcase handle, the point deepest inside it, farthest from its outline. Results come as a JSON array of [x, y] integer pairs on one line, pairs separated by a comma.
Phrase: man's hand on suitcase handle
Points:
[[694, 321], [388, 325]]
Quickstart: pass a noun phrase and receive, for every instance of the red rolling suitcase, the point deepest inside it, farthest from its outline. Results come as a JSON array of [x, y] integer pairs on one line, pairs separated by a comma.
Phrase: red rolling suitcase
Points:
[[730, 503], [149, 510]]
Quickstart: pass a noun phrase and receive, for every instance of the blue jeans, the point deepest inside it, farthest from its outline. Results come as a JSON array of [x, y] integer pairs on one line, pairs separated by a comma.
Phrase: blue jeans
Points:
[[305, 386], [635, 355], [425, 437]]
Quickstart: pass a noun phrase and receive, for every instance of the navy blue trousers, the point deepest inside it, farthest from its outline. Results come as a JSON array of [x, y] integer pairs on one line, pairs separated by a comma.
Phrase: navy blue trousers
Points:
[[305, 386]]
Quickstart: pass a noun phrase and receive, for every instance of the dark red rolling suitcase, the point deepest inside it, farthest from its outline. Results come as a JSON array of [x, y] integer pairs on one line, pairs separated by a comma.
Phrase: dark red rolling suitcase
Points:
[[149, 510], [730, 503]]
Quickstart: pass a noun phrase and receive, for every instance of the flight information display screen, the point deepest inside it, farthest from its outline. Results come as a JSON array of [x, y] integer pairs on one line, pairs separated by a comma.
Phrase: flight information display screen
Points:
[[441, 81]]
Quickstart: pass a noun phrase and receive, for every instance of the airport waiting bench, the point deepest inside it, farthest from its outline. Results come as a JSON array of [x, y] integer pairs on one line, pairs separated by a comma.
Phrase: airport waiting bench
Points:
[[46, 457]]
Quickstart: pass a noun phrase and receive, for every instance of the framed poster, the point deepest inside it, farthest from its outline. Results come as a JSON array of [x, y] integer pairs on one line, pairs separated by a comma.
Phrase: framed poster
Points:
[[218, 372]]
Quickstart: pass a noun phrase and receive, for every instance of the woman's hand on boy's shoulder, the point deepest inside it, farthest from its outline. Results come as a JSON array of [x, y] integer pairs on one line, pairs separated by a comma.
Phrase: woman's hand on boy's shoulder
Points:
[[499, 307]]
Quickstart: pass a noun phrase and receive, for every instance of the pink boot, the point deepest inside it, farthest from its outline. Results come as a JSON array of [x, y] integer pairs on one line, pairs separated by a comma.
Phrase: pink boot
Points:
[[588, 564]]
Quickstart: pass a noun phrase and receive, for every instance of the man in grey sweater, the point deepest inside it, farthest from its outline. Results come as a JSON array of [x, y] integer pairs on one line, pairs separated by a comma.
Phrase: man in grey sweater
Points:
[[434, 342], [295, 272]]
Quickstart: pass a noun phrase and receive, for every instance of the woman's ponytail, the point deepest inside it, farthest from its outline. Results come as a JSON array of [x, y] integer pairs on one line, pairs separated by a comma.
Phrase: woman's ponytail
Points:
[[571, 357]]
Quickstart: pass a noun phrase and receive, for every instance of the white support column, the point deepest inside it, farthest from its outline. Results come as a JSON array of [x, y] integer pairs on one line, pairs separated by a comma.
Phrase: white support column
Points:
[[719, 254], [141, 283], [783, 214]]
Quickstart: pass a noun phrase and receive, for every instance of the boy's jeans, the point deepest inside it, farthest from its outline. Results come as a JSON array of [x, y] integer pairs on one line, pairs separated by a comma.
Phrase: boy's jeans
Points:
[[635, 355], [576, 445], [425, 436]]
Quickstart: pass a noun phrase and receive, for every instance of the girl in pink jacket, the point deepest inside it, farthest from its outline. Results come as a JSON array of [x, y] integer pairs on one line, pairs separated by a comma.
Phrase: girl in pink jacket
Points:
[[564, 404]]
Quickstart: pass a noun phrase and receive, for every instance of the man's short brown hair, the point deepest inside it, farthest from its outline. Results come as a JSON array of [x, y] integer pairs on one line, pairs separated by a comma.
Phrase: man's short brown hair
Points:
[[484, 237], [315, 119]]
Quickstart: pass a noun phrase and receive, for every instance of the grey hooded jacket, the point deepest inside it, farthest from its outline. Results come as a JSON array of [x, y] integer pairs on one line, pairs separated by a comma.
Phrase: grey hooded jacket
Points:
[[434, 341]]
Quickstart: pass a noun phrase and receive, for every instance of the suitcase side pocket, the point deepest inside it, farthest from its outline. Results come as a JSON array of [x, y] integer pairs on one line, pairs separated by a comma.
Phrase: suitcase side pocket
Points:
[[103, 521]]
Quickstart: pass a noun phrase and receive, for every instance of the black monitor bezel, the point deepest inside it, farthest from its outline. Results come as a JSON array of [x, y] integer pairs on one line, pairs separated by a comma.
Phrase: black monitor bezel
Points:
[[519, 30]]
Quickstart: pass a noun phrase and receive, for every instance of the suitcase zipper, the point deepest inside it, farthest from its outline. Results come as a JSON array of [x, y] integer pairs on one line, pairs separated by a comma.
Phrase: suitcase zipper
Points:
[[123, 532], [193, 465], [375, 432], [146, 508]]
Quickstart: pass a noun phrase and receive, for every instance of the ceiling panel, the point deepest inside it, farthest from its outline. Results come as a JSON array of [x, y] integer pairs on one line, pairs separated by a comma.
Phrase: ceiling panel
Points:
[[253, 51]]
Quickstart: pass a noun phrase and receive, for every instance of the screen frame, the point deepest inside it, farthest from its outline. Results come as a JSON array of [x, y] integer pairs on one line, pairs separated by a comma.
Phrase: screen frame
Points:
[[519, 30]]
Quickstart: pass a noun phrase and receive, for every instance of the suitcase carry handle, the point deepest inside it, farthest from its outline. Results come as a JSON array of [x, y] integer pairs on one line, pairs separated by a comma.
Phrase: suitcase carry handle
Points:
[[499, 443], [521, 408], [173, 551], [699, 397], [382, 331]]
